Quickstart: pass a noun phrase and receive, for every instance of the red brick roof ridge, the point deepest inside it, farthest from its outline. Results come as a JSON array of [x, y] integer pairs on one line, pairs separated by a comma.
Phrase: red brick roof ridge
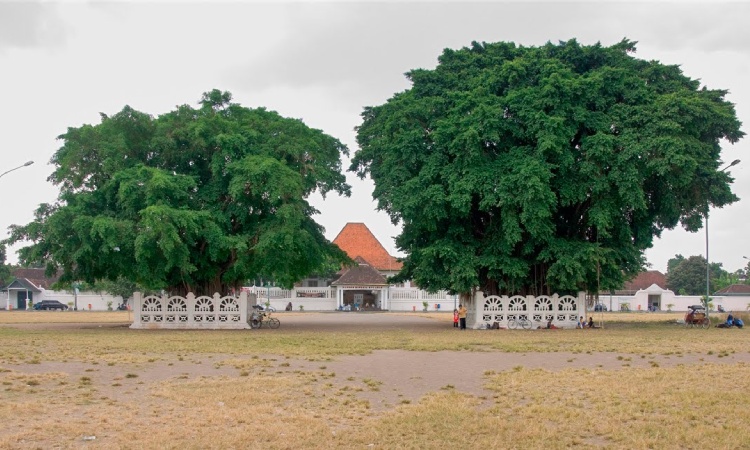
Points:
[[645, 279], [734, 289], [362, 273], [356, 240], [35, 276]]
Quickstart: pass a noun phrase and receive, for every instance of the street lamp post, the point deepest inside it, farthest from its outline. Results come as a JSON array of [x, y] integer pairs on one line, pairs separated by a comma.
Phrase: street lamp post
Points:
[[708, 264], [27, 163]]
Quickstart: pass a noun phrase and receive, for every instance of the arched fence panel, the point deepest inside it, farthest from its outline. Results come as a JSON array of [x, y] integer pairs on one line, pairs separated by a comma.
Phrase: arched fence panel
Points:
[[190, 312], [564, 311]]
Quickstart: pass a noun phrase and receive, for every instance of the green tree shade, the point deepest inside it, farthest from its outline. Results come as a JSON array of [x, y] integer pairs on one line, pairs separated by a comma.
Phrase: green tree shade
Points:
[[532, 170], [689, 277], [193, 200]]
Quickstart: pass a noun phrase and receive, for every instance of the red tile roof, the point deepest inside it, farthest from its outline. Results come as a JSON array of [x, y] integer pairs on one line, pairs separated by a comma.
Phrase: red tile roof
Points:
[[736, 289], [361, 274], [357, 240], [35, 276], [644, 280]]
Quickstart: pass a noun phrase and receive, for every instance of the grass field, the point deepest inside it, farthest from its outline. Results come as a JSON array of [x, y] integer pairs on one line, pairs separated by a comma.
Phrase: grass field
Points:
[[73, 380]]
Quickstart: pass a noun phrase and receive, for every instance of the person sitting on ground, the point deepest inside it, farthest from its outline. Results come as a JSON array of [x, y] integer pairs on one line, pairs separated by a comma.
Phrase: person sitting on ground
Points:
[[726, 324], [550, 325], [581, 323], [591, 322], [737, 322]]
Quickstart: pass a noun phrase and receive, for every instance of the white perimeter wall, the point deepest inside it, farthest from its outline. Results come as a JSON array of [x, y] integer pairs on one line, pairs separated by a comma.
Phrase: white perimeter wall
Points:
[[98, 302], [639, 301]]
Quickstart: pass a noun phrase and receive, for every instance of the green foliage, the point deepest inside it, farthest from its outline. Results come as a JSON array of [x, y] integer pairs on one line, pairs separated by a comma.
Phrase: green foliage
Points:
[[543, 169], [193, 200], [674, 262], [119, 287], [5, 275], [689, 276], [725, 280]]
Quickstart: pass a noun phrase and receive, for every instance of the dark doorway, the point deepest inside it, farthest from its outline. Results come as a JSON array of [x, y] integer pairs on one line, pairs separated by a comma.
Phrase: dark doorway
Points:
[[654, 302], [21, 299]]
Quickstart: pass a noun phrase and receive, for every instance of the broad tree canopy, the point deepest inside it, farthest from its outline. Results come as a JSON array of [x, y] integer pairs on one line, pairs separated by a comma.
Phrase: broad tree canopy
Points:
[[193, 200], [535, 170], [688, 276]]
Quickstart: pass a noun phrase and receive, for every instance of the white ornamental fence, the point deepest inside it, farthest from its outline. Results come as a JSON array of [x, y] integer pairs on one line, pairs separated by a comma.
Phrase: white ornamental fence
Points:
[[310, 298], [191, 312], [324, 298], [563, 310]]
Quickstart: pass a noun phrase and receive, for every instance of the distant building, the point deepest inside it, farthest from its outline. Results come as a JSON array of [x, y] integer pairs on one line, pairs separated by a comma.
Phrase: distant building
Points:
[[643, 281], [364, 285], [27, 285], [31, 285], [734, 290], [358, 241]]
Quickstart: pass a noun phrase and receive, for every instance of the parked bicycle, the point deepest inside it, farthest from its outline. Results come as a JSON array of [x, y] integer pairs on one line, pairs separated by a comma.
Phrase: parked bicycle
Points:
[[520, 321], [263, 318]]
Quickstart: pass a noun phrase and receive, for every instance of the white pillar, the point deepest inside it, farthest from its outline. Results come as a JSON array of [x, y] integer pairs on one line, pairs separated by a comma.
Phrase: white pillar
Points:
[[137, 300], [190, 300], [581, 305], [475, 311]]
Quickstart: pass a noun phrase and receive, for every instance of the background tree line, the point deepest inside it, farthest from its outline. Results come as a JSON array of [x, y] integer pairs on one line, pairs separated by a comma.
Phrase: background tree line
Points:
[[687, 276]]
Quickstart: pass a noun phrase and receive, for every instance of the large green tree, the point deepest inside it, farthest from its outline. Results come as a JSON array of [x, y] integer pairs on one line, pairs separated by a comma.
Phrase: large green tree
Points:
[[543, 169], [688, 277], [193, 200]]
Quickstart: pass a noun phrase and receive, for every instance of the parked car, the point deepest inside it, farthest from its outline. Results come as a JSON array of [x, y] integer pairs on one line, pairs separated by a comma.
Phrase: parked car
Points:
[[600, 307], [50, 304]]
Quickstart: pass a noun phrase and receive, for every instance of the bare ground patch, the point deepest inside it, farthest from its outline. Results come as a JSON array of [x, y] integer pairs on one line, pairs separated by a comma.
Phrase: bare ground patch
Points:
[[248, 397]]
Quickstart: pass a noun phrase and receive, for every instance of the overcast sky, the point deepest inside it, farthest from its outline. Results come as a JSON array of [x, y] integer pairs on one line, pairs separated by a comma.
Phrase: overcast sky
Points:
[[63, 63]]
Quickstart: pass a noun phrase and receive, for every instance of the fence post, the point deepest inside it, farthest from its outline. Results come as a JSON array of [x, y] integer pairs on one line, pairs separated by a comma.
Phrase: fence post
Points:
[[190, 300], [137, 300], [244, 309]]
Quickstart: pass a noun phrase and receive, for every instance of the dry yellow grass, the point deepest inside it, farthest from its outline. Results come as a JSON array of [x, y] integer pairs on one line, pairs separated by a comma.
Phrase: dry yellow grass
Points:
[[635, 333], [15, 317], [60, 385]]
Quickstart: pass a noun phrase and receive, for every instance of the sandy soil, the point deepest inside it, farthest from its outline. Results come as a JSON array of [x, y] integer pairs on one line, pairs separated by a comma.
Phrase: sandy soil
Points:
[[405, 375]]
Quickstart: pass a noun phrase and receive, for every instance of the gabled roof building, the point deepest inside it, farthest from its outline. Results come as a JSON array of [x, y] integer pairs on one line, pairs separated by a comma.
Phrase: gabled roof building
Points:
[[358, 242], [27, 283], [364, 285]]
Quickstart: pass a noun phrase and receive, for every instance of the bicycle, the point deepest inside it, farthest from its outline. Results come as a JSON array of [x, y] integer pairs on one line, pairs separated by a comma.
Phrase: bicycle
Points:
[[264, 318], [520, 321]]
